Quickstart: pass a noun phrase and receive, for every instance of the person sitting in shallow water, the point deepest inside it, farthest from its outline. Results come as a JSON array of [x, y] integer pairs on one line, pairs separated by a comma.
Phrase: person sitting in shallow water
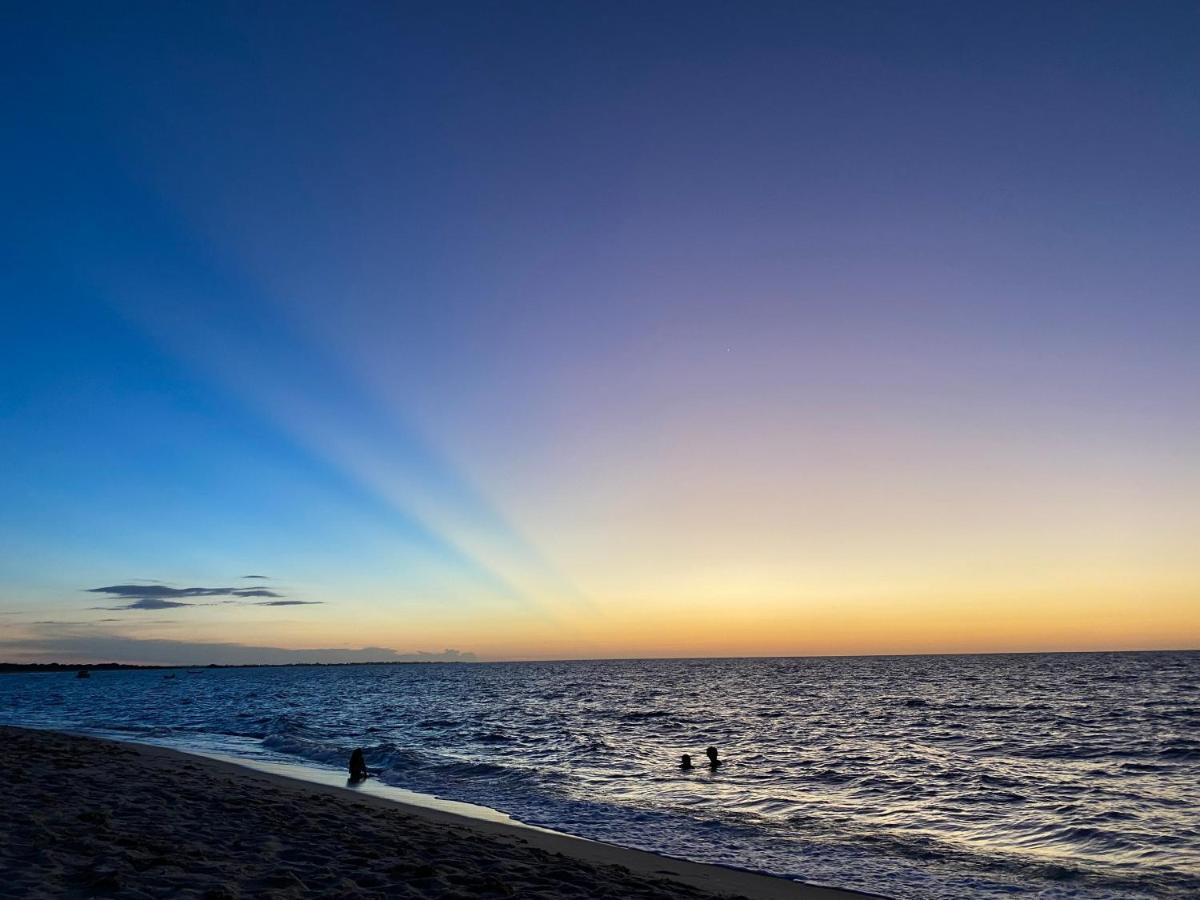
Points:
[[686, 762], [711, 753], [358, 766]]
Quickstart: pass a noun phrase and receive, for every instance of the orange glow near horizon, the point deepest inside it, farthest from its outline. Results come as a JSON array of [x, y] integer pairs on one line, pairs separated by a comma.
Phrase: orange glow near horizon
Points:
[[1087, 620]]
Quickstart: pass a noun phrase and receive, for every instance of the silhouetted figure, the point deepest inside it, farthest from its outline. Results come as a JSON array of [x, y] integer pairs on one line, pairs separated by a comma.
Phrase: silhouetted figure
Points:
[[711, 753], [358, 766], [686, 763]]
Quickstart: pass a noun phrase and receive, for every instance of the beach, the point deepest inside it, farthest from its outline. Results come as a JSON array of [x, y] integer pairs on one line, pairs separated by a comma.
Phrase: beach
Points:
[[90, 817]]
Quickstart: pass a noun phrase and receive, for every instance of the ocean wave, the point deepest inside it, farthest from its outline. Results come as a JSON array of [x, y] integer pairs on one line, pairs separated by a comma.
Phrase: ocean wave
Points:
[[642, 715], [1067, 751], [1188, 752]]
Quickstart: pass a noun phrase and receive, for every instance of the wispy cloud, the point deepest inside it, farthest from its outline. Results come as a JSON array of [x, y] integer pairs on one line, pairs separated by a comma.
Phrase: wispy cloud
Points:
[[262, 577], [59, 622], [289, 603]]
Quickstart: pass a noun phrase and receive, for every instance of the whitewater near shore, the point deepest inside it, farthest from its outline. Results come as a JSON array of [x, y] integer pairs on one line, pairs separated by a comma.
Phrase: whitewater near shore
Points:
[[88, 817]]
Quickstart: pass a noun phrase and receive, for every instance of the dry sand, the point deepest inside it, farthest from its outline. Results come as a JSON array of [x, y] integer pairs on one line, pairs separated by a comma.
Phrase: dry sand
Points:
[[84, 817]]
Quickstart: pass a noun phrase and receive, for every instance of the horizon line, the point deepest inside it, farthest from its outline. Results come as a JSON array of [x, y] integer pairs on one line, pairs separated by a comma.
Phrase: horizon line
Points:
[[480, 662]]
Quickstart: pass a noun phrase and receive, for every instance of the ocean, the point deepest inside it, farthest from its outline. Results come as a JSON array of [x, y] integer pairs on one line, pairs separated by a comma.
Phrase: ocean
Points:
[[1045, 775]]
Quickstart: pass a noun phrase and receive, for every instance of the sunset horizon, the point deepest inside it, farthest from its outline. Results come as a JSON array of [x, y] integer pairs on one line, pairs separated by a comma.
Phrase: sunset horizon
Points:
[[843, 332], [600, 450]]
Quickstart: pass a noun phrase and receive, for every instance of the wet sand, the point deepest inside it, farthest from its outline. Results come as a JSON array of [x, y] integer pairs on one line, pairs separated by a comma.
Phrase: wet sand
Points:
[[86, 817]]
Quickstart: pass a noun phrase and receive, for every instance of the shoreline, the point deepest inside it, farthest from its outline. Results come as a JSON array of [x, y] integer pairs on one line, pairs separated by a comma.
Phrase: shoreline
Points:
[[94, 839]]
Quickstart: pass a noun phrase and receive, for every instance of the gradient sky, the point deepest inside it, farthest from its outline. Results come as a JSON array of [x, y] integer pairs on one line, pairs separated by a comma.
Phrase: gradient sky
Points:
[[558, 330]]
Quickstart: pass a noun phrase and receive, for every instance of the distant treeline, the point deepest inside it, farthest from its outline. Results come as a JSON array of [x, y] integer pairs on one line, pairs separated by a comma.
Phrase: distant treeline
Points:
[[66, 667], [14, 668]]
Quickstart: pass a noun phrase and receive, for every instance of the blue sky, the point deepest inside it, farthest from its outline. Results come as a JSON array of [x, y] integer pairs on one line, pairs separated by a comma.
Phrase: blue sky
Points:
[[621, 329]]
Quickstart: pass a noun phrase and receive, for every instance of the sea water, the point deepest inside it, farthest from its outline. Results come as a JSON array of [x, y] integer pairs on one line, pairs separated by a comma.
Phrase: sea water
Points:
[[1049, 775]]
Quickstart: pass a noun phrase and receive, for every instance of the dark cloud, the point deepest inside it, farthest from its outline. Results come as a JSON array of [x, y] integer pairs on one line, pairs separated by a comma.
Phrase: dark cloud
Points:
[[158, 591], [74, 648], [148, 603], [163, 596], [289, 603]]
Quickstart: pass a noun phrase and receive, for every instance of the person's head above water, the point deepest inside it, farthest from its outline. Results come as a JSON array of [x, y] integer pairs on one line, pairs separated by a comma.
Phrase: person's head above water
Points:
[[686, 762], [711, 753]]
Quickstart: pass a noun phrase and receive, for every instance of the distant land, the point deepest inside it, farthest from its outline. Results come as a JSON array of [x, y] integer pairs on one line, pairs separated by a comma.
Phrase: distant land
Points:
[[16, 668], [7, 668]]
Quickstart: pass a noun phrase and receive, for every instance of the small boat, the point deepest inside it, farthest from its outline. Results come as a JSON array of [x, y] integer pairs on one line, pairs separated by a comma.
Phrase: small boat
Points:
[[171, 675], [83, 673]]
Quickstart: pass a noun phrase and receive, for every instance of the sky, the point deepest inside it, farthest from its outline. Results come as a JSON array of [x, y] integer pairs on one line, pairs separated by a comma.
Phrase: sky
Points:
[[557, 330]]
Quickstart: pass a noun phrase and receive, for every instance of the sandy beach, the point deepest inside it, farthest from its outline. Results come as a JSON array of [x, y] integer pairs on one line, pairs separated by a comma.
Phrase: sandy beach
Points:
[[88, 817]]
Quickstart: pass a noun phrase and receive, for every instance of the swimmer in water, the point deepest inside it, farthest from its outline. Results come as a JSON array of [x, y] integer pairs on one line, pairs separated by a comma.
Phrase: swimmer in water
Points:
[[358, 766], [686, 763], [711, 753]]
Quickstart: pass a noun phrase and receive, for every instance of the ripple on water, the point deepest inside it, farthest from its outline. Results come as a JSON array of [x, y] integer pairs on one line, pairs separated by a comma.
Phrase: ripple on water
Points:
[[1061, 775]]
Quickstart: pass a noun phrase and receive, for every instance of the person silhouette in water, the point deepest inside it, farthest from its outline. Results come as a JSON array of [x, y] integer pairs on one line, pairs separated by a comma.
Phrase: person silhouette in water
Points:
[[358, 766], [713, 762], [686, 763]]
